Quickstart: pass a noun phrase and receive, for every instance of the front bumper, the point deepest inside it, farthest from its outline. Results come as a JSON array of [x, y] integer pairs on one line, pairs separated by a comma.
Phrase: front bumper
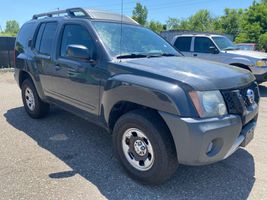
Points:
[[192, 137]]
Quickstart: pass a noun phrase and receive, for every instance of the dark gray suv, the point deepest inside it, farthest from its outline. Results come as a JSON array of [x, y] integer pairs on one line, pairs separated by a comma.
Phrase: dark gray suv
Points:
[[161, 107]]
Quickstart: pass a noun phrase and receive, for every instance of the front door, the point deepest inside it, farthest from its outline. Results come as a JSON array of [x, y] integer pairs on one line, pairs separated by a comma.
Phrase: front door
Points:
[[78, 80], [202, 49]]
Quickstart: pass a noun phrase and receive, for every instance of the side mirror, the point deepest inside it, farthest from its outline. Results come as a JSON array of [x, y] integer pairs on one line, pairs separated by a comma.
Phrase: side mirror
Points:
[[78, 52], [213, 50]]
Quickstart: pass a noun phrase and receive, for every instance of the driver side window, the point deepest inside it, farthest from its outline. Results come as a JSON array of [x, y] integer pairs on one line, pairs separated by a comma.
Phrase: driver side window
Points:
[[75, 34], [203, 44]]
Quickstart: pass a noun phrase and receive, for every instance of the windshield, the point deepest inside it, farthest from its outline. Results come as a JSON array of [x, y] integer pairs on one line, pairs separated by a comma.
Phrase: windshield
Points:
[[136, 41], [224, 43]]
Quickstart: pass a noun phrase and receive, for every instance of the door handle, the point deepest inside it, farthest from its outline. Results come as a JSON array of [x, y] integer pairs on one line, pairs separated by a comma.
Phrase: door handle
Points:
[[57, 67], [195, 54], [78, 69]]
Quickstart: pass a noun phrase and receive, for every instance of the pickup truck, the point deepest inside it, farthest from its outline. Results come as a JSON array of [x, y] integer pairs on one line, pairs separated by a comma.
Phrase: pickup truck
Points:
[[219, 48]]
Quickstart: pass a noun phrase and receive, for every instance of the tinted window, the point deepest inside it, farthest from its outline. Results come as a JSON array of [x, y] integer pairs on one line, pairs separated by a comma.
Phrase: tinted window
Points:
[[25, 34], [202, 44], [183, 43], [75, 34], [47, 37], [39, 37]]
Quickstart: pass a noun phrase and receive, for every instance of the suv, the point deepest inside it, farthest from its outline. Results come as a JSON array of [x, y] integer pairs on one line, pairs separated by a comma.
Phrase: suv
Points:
[[162, 108], [220, 49]]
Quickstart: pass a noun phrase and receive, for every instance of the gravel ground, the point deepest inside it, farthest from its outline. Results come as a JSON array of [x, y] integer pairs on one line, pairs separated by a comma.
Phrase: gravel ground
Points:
[[65, 157]]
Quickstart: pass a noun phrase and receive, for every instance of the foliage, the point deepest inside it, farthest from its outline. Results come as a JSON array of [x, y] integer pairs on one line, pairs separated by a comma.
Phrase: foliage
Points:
[[263, 41], [253, 23], [140, 14], [12, 28], [156, 26], [229, 23], [202, 21], [173, 23]]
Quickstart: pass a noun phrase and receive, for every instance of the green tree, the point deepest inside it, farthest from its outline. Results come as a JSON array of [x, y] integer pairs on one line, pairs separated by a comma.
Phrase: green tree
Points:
[[230, 22], [12, 27], [263, 41], [173, 23], [254, 22], [201, 21], [140, 14], [156, 26]]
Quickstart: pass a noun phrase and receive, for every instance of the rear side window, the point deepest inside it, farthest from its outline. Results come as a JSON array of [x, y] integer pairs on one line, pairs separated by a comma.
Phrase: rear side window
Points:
[[183, 43], [75, 34], [203, 44], [25, 34], [45, 37]]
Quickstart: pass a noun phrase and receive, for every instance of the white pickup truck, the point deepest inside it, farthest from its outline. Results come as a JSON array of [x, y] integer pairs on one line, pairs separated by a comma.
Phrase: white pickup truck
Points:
[[220, 49]]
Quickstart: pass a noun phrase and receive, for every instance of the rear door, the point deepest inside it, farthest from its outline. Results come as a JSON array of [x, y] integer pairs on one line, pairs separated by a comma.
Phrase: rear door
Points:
[[44, 50], [183, 44]]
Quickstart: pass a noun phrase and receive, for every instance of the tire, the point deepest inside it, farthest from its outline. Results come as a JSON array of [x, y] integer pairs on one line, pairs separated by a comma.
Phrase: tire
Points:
[[141, 128], [33, 105]]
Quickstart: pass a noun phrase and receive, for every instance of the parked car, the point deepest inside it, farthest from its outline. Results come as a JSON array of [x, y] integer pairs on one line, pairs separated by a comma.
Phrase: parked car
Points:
[[7, 51], [163, 109], [247, 46], [220, 49]]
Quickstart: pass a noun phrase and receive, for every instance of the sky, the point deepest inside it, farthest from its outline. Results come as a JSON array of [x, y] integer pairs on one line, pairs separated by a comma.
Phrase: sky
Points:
[[160, 10]]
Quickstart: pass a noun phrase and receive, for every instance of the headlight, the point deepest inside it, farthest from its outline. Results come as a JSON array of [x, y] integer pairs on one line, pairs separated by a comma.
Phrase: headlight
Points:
[[261, 63], [208, 103]]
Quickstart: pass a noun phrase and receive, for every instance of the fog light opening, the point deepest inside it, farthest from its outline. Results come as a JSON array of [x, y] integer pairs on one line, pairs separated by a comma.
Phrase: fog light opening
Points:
[[214, 147], [210, 147]]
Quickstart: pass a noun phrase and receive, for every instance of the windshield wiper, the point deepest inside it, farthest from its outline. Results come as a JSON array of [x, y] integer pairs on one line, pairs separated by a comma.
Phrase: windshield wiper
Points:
[[149, 55], [169, 54], [133, 55], [230, 48], [160, 55]]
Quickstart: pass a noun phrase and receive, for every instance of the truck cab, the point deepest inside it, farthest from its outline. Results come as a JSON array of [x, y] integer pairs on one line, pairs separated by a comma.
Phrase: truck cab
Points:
[[219, 48]]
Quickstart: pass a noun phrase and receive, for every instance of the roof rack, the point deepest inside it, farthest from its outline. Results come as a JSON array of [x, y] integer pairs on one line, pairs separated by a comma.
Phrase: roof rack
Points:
[[71, 12]]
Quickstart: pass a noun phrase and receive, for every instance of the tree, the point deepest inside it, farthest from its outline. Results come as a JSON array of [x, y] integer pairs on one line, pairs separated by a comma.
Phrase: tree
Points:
[[140, 14], [156, 26], [230, 22], [263, 41], [202, 21], [12, 27], [173, 23], [254, 22]]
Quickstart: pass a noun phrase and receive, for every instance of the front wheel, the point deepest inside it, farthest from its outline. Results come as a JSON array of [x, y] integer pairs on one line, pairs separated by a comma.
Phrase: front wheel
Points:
[[33, 105], [145, 147]]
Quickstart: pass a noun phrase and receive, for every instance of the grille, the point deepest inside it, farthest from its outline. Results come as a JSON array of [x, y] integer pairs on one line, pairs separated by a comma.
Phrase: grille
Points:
[[237, 101]]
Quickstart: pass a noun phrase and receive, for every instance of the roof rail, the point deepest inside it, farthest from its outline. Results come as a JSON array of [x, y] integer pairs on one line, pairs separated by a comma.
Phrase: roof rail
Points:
[[70, 12]]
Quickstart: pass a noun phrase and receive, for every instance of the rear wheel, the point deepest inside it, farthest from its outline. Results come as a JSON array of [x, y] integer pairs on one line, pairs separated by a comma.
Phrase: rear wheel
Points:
[[33, 105], [144, 146]]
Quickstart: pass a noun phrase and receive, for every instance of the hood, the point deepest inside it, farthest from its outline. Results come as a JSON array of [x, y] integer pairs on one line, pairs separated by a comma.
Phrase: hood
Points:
[[253, 54], [196, 73]]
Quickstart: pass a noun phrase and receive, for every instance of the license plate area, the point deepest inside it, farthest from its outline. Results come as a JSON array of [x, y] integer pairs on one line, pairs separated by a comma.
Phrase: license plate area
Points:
[[248, 133]]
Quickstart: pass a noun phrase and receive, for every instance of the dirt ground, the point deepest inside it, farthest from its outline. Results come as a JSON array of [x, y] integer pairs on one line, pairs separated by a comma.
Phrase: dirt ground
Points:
[[65, 157]]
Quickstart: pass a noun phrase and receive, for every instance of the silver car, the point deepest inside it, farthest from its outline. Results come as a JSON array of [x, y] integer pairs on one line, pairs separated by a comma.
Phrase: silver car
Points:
[[220, 49]]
